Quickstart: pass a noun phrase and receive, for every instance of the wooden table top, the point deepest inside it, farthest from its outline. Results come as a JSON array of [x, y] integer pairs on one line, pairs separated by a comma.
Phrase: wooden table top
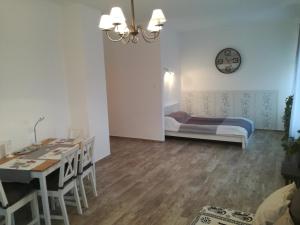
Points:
[[47, 162], [45, 165]]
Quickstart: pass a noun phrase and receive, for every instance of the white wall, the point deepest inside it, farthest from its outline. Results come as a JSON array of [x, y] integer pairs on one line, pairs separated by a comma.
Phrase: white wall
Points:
[[51, 64], [85, 73], [134, 83], [32, 80], [268, 58], [170, 59]]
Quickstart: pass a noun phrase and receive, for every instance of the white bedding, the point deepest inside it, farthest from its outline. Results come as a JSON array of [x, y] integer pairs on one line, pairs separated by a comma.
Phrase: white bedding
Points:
[[173, 125], [232, 130]]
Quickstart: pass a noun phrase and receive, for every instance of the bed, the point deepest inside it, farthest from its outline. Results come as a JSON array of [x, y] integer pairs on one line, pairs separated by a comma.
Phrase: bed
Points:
[[229, 129]]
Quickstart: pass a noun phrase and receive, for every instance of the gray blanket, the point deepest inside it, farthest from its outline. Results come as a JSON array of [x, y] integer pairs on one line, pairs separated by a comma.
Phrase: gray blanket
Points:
[[205, 125]]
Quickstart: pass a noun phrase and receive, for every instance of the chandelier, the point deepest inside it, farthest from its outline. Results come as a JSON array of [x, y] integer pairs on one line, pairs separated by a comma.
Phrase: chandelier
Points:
[[115, 27]]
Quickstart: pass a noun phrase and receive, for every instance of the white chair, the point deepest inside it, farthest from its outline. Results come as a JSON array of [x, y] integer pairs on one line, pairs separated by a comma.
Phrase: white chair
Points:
[[63, 181], [14, 196], [87, 168], [75, 133], [4, 148]]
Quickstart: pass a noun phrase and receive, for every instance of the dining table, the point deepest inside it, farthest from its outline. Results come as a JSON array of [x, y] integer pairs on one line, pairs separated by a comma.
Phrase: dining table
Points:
[[36, 162]]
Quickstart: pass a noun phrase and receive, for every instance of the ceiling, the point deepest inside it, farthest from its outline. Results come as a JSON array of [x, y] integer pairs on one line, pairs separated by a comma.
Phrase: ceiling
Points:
[[193, 14]]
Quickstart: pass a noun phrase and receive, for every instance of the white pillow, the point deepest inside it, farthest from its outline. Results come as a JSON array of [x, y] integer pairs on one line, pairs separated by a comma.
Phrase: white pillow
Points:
[[274, 206], [171, 124], [285, 219]]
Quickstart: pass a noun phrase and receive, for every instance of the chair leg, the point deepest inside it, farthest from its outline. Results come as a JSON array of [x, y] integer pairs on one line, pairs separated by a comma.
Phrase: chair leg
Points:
[[52, 203], [8, 218], [82, 192], [94, 172], [13, 222], [77, 199], [93, 182], [63, 208], [35, 210]]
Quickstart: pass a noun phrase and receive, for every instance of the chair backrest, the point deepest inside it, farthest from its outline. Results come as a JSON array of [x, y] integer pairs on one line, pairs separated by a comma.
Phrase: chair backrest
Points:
[[4, 148], [3, 198], [86, 153], [75, 133], [68, 166]]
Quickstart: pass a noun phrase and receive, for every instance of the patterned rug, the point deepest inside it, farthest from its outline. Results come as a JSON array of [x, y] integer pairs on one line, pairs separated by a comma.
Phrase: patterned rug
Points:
[[219, 216]]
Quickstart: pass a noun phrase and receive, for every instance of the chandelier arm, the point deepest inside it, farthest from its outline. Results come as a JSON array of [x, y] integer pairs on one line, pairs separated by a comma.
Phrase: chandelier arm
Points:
[[148, 35], [126, 39], [126, 35], [112, 39], [149, 38]]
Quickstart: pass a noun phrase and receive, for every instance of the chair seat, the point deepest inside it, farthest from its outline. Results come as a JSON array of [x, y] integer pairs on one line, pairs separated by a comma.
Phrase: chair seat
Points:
[[52, 182], [15, 192], [215, 216]]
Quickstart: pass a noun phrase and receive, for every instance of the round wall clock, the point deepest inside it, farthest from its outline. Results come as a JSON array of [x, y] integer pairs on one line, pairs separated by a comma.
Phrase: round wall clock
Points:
[[228, 60]]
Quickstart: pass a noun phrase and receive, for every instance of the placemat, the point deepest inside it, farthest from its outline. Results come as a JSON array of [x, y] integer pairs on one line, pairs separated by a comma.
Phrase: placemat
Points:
[[18, 170]]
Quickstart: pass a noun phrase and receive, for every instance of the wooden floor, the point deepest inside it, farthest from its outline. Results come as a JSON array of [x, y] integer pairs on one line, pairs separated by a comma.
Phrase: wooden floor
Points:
[[151, 183]]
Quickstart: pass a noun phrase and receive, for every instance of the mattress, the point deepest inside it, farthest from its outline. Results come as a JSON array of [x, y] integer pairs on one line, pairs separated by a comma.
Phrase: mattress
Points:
[[229, 126]]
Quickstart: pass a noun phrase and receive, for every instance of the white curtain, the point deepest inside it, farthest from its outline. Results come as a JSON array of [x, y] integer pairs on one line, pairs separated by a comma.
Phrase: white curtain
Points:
[[295, 117]]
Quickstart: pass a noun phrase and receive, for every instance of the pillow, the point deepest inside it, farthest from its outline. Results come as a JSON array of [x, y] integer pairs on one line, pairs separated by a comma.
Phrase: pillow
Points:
[[295, 208], [171, 124], [180, 116], [274, 206], [285, 219]]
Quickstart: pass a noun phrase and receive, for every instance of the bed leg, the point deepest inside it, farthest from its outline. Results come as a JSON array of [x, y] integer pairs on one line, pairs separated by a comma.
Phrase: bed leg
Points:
[[244, 144]]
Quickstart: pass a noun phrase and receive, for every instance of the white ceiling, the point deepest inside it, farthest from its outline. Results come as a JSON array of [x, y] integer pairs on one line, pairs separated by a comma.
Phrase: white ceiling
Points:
[[193, 14]]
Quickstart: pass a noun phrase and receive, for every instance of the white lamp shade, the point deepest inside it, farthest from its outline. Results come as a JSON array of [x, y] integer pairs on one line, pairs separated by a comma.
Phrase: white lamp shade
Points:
[[152, 27], [158, 17], [106, 22], [122, 28], [117, 15]]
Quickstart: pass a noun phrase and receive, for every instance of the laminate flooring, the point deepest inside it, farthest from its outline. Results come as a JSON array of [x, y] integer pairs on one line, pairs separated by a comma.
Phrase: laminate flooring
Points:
[[152, 183]]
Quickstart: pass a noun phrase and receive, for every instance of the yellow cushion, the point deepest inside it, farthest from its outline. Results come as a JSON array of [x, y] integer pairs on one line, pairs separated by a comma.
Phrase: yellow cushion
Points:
[[285, 219], [274, 206]]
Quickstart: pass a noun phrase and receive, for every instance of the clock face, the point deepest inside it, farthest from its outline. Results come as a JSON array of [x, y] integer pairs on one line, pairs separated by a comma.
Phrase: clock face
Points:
[[228, 60]]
